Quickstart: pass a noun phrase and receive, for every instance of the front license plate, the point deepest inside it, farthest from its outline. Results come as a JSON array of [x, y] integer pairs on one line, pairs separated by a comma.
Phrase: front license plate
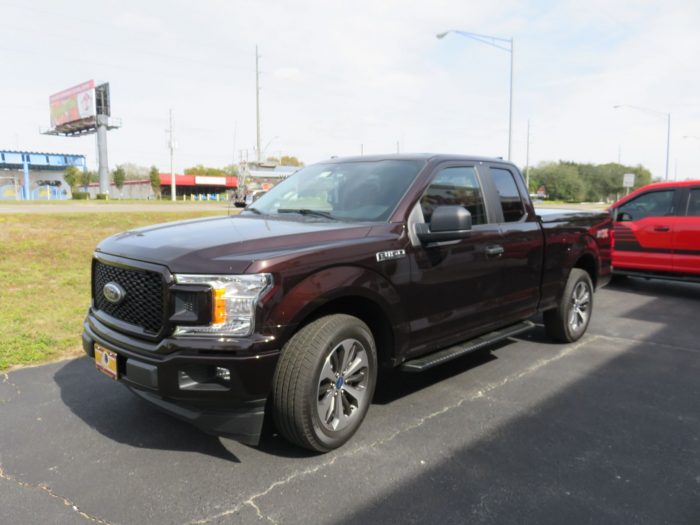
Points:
[[106, 361]]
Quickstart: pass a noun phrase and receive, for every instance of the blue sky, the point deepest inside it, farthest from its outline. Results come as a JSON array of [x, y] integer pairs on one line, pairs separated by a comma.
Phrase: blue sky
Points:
[[337, 75]]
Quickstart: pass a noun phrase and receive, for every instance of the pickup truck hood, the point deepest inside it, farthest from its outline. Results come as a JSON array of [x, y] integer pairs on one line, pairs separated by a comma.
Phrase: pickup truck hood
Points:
[[227, 244]]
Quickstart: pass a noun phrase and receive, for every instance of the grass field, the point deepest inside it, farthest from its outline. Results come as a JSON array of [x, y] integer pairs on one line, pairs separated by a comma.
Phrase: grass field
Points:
[[45, 278]]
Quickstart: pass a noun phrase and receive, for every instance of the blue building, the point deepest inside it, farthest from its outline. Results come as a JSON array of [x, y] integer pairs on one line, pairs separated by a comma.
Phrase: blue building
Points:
[[29, 175]]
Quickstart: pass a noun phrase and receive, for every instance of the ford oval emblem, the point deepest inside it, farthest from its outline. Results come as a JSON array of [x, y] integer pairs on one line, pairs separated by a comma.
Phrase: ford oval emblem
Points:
[[113, 293]]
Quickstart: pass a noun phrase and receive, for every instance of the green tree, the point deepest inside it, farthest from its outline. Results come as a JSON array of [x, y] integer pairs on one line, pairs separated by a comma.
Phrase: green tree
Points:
[[154, 176], [205, 171], [72, 176], [119, 176], [571, 181], [288, 160], [561, 180], [87, 176], [231, 170]]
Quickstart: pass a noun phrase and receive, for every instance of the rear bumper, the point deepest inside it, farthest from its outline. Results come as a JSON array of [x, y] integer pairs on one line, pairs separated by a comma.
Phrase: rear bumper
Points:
[[222, 393]]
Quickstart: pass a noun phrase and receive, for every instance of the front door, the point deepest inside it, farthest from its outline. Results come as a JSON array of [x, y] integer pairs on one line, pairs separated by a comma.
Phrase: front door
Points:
[[456, 284], [644, 232]]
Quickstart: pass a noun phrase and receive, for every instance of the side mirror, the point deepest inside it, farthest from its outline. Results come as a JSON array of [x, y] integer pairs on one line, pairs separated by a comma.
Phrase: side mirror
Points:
[[448, 223], [624, 216]]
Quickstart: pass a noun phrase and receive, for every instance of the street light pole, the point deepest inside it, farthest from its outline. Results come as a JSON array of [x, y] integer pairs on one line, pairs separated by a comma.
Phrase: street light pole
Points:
[[510, 101], [498, 43], [668, 140], [667, 116]]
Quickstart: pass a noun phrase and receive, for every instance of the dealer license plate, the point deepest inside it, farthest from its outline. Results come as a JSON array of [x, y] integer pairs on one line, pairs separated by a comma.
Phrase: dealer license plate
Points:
[[106, 361]]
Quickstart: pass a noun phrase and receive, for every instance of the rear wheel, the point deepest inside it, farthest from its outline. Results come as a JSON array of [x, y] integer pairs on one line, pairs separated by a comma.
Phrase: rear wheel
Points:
[[324, 382], [568, 322]]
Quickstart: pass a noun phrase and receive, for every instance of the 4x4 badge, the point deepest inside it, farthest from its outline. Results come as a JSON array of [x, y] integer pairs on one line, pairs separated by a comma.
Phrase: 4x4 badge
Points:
[[390, 255], [113, 293]]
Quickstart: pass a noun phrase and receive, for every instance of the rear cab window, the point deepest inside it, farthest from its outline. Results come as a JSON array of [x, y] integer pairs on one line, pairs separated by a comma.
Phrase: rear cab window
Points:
[[508, 194], [693, 209]]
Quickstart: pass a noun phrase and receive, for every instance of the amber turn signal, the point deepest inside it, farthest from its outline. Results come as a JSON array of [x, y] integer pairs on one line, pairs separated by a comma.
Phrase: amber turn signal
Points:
[[218, 315]]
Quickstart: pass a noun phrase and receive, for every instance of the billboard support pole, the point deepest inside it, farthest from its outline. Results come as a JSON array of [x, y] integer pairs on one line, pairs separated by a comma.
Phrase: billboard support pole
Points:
[[102, 153]]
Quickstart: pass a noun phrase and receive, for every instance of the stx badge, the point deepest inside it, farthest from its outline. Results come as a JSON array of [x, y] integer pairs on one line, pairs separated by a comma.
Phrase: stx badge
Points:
[[390, 255]]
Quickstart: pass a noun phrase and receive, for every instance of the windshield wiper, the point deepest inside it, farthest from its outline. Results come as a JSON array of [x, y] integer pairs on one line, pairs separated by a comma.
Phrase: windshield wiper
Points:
[[307, 211], [254, 210]]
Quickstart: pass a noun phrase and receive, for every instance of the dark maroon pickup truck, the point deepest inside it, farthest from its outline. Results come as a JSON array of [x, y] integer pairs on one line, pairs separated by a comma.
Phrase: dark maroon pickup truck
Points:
[[400, 261]]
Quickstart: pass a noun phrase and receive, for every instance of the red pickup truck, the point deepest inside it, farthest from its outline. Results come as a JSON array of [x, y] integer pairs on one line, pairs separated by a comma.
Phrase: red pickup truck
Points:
[[404, 261], [657, 232]]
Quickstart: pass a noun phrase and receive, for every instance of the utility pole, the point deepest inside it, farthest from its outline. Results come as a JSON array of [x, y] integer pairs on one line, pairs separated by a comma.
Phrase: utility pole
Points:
[[171, 145], [235, 128], [668, 141], [257, 101], [527, 159]]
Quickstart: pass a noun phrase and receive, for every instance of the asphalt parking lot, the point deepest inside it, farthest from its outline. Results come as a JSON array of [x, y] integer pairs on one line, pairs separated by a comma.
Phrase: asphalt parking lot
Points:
[[606, 430]]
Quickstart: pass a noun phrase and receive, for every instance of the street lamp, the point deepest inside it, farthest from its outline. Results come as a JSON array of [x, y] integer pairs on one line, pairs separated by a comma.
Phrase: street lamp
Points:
[[498, 43], [667, 116]]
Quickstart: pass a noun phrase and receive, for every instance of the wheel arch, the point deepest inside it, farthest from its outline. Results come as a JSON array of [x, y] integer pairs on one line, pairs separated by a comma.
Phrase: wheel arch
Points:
[[588, 262], [355, 291]]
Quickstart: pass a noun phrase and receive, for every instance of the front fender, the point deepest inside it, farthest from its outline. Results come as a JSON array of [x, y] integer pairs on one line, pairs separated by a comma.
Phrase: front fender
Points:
[[338, 282]]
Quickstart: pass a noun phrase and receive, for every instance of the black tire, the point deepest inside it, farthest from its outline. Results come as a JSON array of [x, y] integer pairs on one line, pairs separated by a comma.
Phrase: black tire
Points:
[[301, 387], [558, 322]]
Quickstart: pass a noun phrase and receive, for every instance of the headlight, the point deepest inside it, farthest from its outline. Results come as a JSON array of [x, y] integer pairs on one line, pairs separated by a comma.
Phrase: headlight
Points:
[[233, 300]]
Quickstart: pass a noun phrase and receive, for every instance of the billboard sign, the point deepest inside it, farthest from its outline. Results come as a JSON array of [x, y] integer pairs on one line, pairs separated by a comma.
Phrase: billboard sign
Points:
[[210, 181], [73, 104]]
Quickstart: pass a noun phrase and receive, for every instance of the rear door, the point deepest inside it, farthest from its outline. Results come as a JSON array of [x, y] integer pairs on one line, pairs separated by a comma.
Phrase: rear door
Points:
[[644, 230], [523, 246], [686, 237]]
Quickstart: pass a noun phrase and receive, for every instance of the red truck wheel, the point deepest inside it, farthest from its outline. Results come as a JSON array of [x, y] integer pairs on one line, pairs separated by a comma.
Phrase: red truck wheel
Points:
[[324, 382], [568, 322]]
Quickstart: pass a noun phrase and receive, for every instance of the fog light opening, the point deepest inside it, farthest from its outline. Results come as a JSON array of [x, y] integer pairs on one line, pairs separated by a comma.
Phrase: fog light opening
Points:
[[223, 373]]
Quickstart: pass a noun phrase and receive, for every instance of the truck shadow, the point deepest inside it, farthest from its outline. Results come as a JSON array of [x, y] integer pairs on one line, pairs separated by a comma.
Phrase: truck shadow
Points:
[[120, 416], [393, 384]]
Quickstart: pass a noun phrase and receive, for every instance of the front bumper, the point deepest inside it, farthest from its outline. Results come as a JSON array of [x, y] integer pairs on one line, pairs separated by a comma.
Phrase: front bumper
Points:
[[185, 383]]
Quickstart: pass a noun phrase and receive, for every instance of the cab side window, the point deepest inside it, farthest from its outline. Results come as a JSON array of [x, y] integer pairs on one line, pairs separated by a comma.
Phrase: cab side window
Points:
[[652, 204], [694, 203], [455, 186], [511, 203]]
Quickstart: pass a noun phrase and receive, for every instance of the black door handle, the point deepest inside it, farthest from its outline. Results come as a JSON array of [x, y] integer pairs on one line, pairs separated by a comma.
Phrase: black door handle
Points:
[[494, 251], [661, 228]]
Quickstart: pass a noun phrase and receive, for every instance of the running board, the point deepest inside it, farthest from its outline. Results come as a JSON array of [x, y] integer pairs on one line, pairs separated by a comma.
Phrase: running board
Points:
[[426, 362]]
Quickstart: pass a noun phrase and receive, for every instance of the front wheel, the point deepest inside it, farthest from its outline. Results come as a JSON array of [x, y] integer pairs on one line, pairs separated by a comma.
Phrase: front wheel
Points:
[[568, 322], [324, 382]]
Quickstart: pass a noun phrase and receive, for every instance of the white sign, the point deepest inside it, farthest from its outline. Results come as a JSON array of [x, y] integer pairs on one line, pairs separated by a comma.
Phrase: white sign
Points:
[[628, 180], [210, 181]]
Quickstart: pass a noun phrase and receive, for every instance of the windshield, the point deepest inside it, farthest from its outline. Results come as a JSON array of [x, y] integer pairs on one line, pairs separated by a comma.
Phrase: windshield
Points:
[[357, 191]]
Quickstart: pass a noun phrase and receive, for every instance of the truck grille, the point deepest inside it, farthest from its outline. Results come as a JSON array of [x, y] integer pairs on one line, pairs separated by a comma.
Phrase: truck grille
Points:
[[143, 302]]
